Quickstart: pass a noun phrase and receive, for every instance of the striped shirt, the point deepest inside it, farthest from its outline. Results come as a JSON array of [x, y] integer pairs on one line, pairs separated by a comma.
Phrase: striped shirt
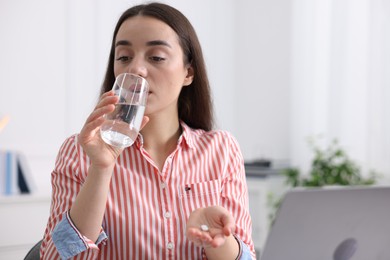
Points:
[[147, 209]]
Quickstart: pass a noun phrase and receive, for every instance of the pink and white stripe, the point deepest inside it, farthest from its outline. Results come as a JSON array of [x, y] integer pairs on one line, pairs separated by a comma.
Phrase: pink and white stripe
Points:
[[147, 210]]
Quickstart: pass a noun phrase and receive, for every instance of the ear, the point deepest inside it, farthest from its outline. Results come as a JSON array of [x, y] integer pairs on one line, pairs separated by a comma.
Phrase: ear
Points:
[[190, 76]]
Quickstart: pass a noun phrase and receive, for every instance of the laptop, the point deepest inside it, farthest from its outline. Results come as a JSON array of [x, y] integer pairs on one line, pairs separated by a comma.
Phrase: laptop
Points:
[[350, 223]]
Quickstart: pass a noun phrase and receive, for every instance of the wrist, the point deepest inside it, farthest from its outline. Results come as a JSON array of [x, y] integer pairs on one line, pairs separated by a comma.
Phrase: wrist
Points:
[[231, 249], [239, 247], [95, 169]]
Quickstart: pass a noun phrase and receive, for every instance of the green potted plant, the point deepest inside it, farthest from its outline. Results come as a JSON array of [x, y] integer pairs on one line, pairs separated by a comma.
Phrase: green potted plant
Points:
[[330, 166]]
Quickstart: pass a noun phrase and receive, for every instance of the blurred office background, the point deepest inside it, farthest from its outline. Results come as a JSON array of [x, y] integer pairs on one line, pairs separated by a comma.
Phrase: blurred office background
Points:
[[281, 71]]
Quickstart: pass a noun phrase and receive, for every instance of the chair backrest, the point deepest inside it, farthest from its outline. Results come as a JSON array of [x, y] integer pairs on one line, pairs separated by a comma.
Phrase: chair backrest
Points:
[[33, 254]]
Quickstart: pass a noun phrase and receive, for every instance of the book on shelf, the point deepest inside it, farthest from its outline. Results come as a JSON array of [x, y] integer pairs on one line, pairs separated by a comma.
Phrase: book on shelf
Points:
[[15, 174]]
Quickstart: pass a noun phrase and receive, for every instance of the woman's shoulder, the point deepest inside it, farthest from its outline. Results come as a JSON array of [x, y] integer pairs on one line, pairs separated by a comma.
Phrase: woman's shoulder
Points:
[[70, 143], [214, 134], [220, 133], [70, 140]]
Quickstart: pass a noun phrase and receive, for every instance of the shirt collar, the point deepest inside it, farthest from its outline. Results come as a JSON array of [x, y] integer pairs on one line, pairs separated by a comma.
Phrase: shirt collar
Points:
[[186, 137]]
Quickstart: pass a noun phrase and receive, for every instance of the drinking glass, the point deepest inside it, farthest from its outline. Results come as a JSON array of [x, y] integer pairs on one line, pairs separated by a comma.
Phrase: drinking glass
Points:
[[121, 127]]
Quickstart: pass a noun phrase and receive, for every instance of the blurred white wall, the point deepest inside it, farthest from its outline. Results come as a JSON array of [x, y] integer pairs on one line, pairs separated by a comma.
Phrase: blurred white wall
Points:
[[280, 71], [33, 81], [340, 85], [54, 54]]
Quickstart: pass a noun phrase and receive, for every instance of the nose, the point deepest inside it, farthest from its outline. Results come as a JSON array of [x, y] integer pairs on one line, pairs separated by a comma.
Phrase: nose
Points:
[[138, 67]]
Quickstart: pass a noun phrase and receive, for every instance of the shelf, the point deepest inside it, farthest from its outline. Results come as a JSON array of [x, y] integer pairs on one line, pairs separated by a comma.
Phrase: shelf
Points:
[[24, 198]]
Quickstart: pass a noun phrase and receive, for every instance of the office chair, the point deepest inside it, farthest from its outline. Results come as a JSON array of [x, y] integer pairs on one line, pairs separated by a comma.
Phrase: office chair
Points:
[[33, 254]]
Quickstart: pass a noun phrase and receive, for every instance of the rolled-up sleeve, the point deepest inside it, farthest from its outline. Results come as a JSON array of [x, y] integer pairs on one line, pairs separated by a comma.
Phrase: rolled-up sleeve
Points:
[[70, 242], [245, 252], [61, 237]]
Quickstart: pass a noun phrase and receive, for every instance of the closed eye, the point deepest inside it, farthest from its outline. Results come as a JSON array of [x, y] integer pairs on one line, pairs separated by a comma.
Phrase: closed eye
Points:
[[123, 58], [157, 58]]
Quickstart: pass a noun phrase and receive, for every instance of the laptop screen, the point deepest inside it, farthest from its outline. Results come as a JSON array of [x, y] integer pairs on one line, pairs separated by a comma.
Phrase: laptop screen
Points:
[[341, 223]]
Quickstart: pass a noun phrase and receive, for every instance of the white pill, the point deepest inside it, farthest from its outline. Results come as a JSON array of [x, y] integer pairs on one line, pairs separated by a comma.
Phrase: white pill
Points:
[[204, 228]]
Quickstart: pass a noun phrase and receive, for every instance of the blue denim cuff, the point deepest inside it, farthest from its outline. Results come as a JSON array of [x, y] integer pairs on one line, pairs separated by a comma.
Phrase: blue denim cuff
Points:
[[68, 241], [245, 251], [102, 236]]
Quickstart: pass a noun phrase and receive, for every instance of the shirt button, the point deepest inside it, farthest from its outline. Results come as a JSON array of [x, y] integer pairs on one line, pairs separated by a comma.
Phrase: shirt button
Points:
[[170, 245], [163, 185], [167, 214]]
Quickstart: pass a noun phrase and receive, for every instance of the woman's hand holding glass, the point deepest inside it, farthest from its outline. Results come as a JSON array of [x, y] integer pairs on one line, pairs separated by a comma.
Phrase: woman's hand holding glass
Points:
[[100, 153]]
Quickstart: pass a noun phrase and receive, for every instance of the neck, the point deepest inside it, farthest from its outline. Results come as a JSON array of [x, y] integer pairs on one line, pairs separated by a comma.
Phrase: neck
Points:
[[161, 134], [160, 139]]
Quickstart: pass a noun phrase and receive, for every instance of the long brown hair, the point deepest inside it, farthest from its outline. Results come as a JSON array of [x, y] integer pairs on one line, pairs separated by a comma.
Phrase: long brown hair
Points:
[[195, 104]]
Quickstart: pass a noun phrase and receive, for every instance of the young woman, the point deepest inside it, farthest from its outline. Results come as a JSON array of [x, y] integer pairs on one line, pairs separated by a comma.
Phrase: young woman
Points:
[[179, 192]]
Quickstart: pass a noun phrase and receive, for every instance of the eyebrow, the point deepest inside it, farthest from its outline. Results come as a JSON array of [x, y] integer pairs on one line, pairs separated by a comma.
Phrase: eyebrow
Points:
[[149, 43]]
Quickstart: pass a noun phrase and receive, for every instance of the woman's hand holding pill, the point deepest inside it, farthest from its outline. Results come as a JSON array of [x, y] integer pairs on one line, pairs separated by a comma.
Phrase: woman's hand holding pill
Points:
[[210, 226]]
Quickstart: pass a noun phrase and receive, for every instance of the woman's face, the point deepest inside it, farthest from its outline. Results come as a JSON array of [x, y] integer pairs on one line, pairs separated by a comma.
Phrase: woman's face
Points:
[[150, 48]]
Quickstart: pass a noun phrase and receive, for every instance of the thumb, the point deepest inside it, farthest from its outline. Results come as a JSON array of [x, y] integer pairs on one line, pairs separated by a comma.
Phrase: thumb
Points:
[[228, 224]]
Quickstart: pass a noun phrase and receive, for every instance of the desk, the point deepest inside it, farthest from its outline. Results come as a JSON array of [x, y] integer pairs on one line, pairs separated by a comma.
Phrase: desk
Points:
[[23, 221]]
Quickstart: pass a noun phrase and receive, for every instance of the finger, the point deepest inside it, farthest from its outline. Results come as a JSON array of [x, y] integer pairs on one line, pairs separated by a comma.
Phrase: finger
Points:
[[99, 112], [94, 122], [209, 234], [194, 236], [108, 93], [229, 229], [206, 244], [198, 234], [206, 238], [202, 239], [193, 232], [92, 127], [107, 100], [218, 240], [105, 106], [228, 224], [198, 242]]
